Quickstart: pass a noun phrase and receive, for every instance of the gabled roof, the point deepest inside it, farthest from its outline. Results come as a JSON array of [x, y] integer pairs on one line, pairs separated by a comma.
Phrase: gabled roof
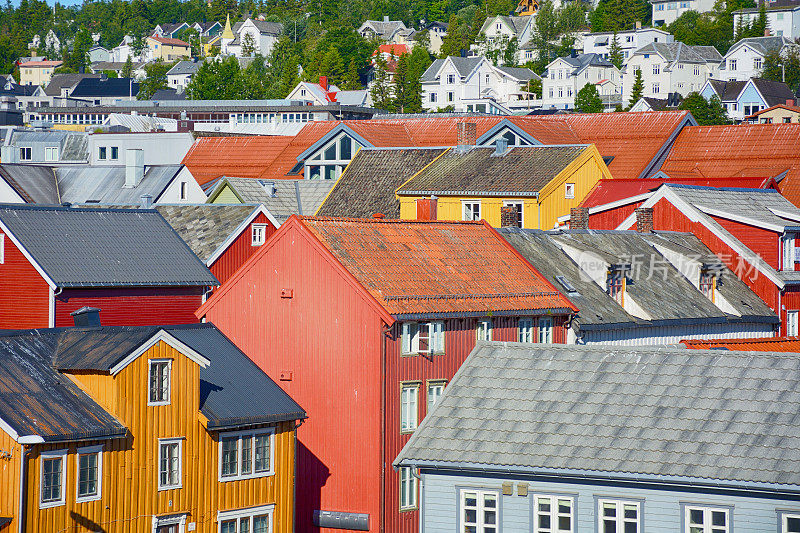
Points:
[[728, 91], [103, 247], [762, 45], [480, 171], [383, 27], [583, 61], [367, 186], [105, 87], [658, 414], [40, 64], [463, 65], [677, 52], [448, 268], [521, 74], [184, 67], [516, 24], [169, 41], [266, 27], [104, 186], [792, 108], [774, 92], [35, 184], [246, 157], [766, 344], [282, 198], [59, 81]]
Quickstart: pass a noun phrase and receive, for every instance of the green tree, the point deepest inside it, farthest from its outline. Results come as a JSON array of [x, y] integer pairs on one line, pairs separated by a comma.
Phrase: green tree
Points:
[[127, 68], [588, 100], [786, 67], [382, 91], [638, 88], [155, 79], [534, 86], [216, 80], [351, 79], [77, 58], [706, 112], [248, 45], [110, 73], [615, 52]]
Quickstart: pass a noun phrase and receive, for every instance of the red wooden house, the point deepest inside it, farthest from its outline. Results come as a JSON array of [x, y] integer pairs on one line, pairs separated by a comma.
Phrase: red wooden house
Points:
[[129, 263], [222, 236], [364, 321], [752, 230]]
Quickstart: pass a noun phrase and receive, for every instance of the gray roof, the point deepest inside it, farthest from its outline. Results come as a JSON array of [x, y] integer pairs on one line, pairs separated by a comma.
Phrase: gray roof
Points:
[[271, 28], [763, 45], [582, 61], [692, 415], [464, 65], [74, 145], [184, 67], [103, 185], [728, 91], [290, 197], [774, 92], [206, 227], [524, 74], [384, 28], [105, 247], [655, 284], [63, 81], [515, 23], [678, 52], [34, 183]]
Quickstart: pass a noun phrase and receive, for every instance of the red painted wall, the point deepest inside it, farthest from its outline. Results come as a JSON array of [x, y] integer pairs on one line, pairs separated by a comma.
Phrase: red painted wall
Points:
[[762, 241], [612, 218], [24, 294], [147, 306], [329, 338], [239, 251]]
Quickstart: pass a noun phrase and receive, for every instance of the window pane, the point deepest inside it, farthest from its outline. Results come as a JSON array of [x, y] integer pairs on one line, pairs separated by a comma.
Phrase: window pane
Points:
[[261, 524], [793, 524], [262, 453], [631, 527], [244, 525], [609, 526], [696, 516], [228, 526], [330, 153], [345, 148], [247, 454], [470, 499], [718, 518], [229, 451], [51, 479], [87, 477], [564, 523], [631, 511]]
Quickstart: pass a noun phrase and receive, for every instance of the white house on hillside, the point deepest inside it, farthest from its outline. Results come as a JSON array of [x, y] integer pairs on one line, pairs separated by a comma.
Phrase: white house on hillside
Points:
[[323, 93], [467, 82], [261, 34], [670, 68], [666, 11], [782, 21], [745, 59], [629, 41], [499, 30], [565, 76]]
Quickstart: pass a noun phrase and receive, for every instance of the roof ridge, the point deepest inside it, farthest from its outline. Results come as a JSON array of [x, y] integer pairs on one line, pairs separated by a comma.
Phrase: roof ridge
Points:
[[388, 220]]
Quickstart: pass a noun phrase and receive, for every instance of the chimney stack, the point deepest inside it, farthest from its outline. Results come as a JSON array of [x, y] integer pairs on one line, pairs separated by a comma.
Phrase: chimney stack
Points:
[[134, 167], [644, 219], [86, 317], [579, 218], [467, 134], [790, 101], [427, 208], [508, 217]]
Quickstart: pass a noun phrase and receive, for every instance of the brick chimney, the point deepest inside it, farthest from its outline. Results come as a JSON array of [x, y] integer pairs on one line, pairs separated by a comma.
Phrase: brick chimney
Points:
[[467, 134], [579, 218], [644, 219], [323, 82], [508, 217], [427, 208]]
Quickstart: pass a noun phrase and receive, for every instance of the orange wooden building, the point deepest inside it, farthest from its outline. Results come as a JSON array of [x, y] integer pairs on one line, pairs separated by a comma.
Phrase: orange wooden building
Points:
[[142, 429]]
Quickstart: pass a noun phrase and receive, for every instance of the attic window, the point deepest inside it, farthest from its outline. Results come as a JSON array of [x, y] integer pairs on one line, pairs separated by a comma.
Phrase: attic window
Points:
[[569, 190], [615, 282], [259, 234], [566, 284], [160, 371], [710, 280]]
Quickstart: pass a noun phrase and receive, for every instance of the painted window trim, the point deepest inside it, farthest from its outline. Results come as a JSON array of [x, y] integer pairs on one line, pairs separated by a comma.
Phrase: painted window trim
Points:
[[685, 506], [569, 191], [599, 500], [529, 324], [414, 491], [433, 383], [409, 385], [263, 239], [254, 474], [555, 496], [521, 203], [409, 338], [161, 443], [169, 380], [489, 329], [480, 490], [53, 454], [540, 326], [783, 514], [795, 324], [88, 450], [170, 520], [248, 512]]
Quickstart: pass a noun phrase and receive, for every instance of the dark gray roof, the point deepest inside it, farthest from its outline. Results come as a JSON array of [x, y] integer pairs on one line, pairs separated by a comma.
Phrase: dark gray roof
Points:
[[368, 185], [282, 198], [73, 145], [168, 94], [520, 73], [109, 87], [104, 185], [774, 92], [678, 52], [271, 28], [478, 170], [582, 61], [63, 81], [36, 184], [185, 67], [714, 416], [105, 247], [205, 227], [728, 91]]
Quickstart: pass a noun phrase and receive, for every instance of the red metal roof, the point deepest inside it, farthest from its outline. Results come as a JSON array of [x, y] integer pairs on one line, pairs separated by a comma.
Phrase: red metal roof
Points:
[[766, 344], [280, 166], [40, 64], [435, 267], [393, 49], [241, 157], [787, 107]]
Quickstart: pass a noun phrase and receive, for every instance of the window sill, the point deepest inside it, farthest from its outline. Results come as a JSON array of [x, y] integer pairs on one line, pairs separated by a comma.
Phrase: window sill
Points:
[[85, 499], [408, 509], [157, 404], [47, 505], [171, 487], [408, 431], [227, 479]]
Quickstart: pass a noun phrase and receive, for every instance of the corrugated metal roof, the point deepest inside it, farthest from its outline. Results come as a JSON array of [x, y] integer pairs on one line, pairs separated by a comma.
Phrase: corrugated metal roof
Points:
[[623, 411], [105, 247], [244, 157], [105, 185]]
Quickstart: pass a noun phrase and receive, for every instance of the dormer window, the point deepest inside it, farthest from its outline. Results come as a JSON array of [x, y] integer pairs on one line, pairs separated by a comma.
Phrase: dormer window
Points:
[[160, 374], [710, 280], [615, 282], [789, 251]]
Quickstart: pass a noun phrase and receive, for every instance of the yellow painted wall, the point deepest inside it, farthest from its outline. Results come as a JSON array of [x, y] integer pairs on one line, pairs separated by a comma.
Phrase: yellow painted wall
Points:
[[226, 196], [9, 478], [130, 495]]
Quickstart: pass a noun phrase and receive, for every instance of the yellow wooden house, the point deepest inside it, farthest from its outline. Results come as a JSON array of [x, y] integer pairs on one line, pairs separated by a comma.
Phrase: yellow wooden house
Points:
[[142, 429], [537, 183]]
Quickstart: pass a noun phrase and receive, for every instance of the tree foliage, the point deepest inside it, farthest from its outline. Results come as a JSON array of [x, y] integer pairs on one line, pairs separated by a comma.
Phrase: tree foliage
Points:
[[714, 28], [784, 67], [615, 52], [156, 79], [706, 112], [588, 100], [638, 88], [619, 15]]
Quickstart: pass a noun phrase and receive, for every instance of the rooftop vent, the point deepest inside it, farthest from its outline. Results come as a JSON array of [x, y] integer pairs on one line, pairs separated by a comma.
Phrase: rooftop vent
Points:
[[86, 317], [500, 146]]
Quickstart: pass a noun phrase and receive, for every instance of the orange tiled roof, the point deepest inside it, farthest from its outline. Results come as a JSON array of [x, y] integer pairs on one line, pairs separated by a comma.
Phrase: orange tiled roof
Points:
[[46, 63], [169, 41], [745, 150], [766, 344], [241, 157], [435, 267], [280, 166], [793, 108]]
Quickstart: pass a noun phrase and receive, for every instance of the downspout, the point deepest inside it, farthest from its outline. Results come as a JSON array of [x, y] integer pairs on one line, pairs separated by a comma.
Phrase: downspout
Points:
[[23, 441], [538, 211], [383, 428]]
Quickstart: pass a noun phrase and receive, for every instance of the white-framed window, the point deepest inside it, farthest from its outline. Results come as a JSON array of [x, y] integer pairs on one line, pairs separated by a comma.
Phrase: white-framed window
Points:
[[788, 251], [703, 519], [478, 511], [25, 153], [101, 153], [409, 395], [51, 153], [757, 63], [170, 463], [451, 79], [525, 328], [732, 64], [169, 524], [251, 520], [656, 69], [115, 152], [569, 190], [519, 211], [553, 513], [183, 190], [435, 390], [790, 521], [470, 210], [433, 97], [259, 234], [656, 88], [408, 489], [706, 284], [487, 79], [545, 330], [791, 323], [53, 478], [697, 70], [451, 96], [89, 475], [159, 382], [483, 331], [329, 161], [246, 454], [618, 516], [422, 337]]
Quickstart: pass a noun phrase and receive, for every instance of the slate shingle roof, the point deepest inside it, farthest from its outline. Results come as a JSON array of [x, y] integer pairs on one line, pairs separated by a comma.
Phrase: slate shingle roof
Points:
[[105, 247], [282, 198], [624, 411], [36, 184], [480, 171], [524, 74], [59, 81], [367, 186], [678, 52], [464, 65]]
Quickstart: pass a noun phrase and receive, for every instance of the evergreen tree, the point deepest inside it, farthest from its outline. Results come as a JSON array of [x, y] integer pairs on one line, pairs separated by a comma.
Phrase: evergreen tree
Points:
[[784, 67], [248, 45], [156, 79], [127, 68], [615, 52], [638, 88], [588, 100], [381, 92], [706, 112], [760, 25], [351, 79], [451, 44]]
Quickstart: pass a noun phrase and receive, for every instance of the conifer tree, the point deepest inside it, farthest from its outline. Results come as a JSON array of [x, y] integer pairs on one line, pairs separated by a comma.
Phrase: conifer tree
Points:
[[615, 52], [638, 88]]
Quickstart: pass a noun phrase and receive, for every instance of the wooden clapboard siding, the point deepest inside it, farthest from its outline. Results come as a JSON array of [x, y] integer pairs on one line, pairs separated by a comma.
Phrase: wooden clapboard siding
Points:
[[129, 489], [24, 294], [9, 479], [240, 250]]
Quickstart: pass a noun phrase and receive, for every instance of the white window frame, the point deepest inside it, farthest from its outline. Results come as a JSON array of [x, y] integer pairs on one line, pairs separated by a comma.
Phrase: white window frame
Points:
[[451, 79], [258, 234], [150, 364], [707, 514], [49, 455], [788, 255], [619, 519], [250, 512], [407, 497], [784, 519], [171, 520], [184, 188], [569, 191], [114, 150], [554, 514], [409, 407], [48, 153], [791, 323], [437, 384], [480, 509], [544, 330], [89, 450], [252, 434], [317, 159], [410, 337], [472, 204], [29, 153], [161, 444], [483, 329], [525, 330]]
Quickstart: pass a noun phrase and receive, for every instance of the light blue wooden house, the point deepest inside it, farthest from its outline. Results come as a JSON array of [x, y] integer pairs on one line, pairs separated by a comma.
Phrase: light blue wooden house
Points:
[[743, 98], [586, 439]]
